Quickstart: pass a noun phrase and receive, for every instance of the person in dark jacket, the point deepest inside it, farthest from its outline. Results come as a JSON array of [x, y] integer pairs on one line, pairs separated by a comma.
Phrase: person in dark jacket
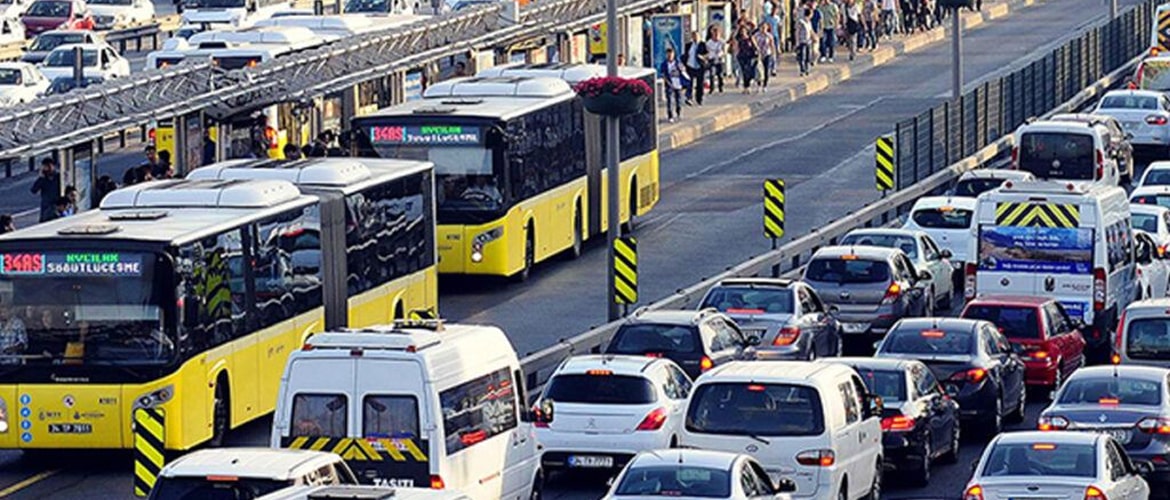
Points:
[[48, 185], [695, 61]]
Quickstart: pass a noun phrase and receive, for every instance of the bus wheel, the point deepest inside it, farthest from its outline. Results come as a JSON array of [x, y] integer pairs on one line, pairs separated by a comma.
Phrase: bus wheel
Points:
[[221, 413], [628, 227], [529, 254], [577, 243]]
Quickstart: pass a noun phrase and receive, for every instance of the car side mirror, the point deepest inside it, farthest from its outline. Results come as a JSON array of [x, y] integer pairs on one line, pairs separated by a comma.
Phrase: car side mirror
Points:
[[543, 412], [1128, 136], [946, 253], [1143, 467], [877, 346], [785, 485], [752, 340], [925, 275]]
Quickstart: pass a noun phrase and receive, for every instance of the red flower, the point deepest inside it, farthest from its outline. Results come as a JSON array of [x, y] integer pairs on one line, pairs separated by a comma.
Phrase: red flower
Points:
[[594, 87]]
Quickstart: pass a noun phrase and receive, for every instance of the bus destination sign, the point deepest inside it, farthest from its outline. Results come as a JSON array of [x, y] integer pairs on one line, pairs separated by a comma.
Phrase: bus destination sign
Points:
[[71, 264], [425, 135]]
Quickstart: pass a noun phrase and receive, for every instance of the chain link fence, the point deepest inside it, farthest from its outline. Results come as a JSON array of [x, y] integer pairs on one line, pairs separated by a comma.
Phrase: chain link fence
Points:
[[955, 129]]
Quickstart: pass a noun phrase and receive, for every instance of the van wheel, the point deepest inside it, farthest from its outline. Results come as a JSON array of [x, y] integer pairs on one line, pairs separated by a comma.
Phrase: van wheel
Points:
[[529, 254], [537, 487], [221, 413]]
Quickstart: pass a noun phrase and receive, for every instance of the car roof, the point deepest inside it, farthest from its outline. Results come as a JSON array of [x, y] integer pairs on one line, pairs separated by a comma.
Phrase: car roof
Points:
[[1147, 208], [942, 201], [1150, 190], [872, 363], [1151, 373], [759, 282], [1162, 303], [276, 463], [83, 46], [995, 173], [1058, 437], [669, 316], [888, 231], [1134, 92], [944, 323], [618, 364], [1158, 165], [797, 372], [16, 65], [695, 457], [1010, 300], [866, 251]]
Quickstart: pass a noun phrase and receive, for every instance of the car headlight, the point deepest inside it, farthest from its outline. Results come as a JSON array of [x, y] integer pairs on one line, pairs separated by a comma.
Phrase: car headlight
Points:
[[482, 239]]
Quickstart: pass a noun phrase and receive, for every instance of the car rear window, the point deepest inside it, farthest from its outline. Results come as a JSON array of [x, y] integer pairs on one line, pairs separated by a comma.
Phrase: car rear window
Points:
[[976, 187], [1145, 222], [1013, 321], [889, 384], [1159, 177], [675, 481], [755, 409], [1109, 390], [1152, 199], [1148, 338], [749, 300], [942, 218], [651, 338], [600, 388], [1056, 155], [931, 341], [199, 488], [840, 270], [904, 243], [1041, 459], [1129, 102]]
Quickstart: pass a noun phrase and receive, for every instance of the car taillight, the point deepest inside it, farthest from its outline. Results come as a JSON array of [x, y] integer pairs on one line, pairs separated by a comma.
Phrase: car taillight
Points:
[[898, 423], [974, 375], [1117, 339], [969, 281], [1052, 423], [1154, 425], [1098, 289], [437, 482], [816, 458], [653, 420], [1156, 120], [974, 492], [1094, 493], [1015, 157], [892, 293], [706, 363], [786, 336]]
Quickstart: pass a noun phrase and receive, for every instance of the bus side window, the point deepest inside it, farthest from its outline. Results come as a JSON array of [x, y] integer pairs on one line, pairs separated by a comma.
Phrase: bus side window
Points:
[[212, 289]]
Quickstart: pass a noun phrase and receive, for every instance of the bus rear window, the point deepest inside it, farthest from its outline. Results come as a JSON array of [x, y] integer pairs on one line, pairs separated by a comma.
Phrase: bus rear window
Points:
[[319, 415], [1056, 155], [942, 218]]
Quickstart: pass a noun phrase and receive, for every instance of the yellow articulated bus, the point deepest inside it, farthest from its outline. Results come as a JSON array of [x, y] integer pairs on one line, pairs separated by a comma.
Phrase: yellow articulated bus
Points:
[[385, 229], [518, 167]]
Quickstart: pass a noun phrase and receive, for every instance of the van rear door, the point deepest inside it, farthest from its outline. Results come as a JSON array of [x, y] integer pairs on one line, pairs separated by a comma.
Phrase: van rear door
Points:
[[390, 406], [1035, 247]]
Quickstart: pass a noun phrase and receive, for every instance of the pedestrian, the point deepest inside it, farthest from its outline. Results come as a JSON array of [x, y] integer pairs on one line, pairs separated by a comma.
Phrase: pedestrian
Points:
[[48, 185], [209, 152], [804, 41], [60, 208], [766, 45], [105, 186], [830, 20], [292, 152], [716, 57], [747, 55], [909, 15], [7, 224], [853, 29], [889, 17], [306, 151], [71, 197], [673, 75], [696, 65], [872, 19], [816, 25], [460, 70], [774, 18], [164, 169]]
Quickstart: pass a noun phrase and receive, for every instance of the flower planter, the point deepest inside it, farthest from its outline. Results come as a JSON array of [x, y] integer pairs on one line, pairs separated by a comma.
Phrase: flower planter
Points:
[[610, 104]]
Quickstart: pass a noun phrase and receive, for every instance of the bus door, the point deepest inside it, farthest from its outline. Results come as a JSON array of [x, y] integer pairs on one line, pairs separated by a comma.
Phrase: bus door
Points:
[[594, 163]]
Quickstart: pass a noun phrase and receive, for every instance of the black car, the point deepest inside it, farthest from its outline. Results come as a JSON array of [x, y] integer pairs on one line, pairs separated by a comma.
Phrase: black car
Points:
[[920, 422], [976, 364], [697, 340]]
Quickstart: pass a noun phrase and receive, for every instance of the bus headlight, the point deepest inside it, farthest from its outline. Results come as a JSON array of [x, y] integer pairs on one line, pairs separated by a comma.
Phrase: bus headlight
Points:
[[155, 398], [482, 239]]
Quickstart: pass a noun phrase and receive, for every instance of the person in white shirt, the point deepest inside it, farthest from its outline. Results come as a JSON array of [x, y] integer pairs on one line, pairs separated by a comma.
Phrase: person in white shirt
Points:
[[696, 64], [673, 76], [716, 56]]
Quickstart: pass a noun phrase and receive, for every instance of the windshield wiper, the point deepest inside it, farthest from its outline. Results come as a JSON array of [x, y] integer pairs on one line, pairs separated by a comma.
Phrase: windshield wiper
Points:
[[763, 441]]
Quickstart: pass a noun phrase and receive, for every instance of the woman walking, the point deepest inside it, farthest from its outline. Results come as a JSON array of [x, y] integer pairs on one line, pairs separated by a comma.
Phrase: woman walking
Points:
[[716, 57], [804, 41], [853, 26], [766, 44], [871, 16], [746, 54]]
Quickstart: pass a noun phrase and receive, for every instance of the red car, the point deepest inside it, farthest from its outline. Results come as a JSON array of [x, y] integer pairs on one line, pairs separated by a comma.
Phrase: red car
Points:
[[1049, 341], [46, 15]]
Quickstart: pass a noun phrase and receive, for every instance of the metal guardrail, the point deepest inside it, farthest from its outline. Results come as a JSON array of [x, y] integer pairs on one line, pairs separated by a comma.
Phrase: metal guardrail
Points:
[[538, 366]]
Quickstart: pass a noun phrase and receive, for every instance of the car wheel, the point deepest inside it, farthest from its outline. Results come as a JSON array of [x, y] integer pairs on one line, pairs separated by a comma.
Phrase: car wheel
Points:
[[928, 311], [922, 474], [1057, 380], [842, 495], [537, 487], [996, 424], [952, 454], [1017, 416]]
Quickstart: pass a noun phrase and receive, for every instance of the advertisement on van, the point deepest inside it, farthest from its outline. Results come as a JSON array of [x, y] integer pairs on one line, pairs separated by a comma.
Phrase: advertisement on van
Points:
[[1036, 249]]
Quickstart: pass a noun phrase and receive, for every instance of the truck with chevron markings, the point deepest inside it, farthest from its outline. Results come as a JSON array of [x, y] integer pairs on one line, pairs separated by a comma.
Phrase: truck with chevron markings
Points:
[[1072, 241]]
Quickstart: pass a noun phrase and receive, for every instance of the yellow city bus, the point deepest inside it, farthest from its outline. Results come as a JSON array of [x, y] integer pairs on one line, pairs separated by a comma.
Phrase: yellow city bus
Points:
[[519, 170], [181, 295]]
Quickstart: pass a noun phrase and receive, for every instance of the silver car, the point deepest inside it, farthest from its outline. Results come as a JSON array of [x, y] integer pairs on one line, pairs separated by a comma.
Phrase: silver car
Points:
[[922, 250], [786, 315]]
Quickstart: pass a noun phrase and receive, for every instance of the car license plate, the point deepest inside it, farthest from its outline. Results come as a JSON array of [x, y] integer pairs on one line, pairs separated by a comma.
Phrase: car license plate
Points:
[[590, 461], [70, 428], [854, 327]]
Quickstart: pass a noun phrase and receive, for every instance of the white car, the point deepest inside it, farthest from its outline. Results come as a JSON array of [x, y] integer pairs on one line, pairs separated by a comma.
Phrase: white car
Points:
[[1151, 195], [12, 9], [950, 221], [1058, 464], [697, 473], [1157, 174], [20, 82], [1154, 220], [99, 60], [609, 408], [45, 42], [1145, 115], [975, 182], [108, 14], [1153, 273], [247, 473]]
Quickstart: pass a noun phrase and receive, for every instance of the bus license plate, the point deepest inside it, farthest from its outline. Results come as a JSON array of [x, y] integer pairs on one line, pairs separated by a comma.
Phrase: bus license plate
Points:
[[590, 461], [70, 428]]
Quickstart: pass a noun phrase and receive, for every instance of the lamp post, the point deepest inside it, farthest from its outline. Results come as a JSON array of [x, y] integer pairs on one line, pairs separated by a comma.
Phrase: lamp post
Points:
[[611, 159]]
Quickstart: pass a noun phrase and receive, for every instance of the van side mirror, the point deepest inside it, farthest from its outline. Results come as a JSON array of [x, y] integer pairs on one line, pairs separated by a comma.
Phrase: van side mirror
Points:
[[946, 253], [925, 275], [785, 485], [873, 406], [1143, 467]]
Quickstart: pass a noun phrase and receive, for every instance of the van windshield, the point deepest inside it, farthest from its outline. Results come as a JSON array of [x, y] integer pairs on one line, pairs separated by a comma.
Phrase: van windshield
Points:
[[199, 488], [600, 389], [1148, 338], [755, 409], [1155, 75], [1056, 155], [839, 270]]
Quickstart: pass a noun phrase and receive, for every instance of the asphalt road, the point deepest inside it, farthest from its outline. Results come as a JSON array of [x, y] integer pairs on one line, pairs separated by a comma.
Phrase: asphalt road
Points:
[[819, 145]]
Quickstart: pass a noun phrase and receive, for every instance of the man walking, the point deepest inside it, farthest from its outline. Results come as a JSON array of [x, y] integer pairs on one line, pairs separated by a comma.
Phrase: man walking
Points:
[[716, 57], [48, 185], [830, 20], [696, 67], [804, 40], [672, 75]]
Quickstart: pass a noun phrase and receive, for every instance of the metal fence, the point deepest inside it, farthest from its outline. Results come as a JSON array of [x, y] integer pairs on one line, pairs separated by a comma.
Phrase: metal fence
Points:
[[955, 129]]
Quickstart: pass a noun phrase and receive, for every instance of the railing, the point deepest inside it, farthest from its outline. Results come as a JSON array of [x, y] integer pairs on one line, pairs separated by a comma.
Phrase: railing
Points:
[[941, 135]]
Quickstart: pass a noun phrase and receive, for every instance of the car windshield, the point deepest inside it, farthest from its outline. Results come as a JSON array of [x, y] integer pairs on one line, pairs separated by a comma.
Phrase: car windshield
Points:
[[199, 488], [750, 300], [840, 270], [904, 243], [889, 384], [367, 6], [1148, 338], [600, 387], [1129, 101], [1041, 459], [651, 338], [675, 481], [1146, 222], [63, 85], [976, 186], [48, 9], [1161, 200], [942, 218], [1014, 322], [63, 58], [1056, 155], [932, 341], [755, 409], [9, 76], [1111, 390], [1157, 177], [50, 41]]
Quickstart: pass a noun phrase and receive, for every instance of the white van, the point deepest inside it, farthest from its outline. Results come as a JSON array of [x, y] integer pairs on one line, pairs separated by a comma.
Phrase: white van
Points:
[[1066, 151], [361, 492], [415, 403], [813, 423], [1071, 242], [247, 473], [1144, 336]]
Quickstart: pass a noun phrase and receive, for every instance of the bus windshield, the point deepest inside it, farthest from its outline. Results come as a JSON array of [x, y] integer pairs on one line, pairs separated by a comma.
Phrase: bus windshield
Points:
[[81, 308], [464, 179]]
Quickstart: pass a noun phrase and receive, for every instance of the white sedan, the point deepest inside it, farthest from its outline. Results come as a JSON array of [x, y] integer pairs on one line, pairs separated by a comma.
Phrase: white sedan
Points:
[[697, 474], [99, 60], [1153, 273], [20, 82], [1155, 220], [1157, 174], [1145, 114], [950, 221], [109, 14], [1061, 464]]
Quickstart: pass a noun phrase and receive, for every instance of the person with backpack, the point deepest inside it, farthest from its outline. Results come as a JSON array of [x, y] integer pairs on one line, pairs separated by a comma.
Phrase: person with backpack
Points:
[[674, 77], [746, 54]]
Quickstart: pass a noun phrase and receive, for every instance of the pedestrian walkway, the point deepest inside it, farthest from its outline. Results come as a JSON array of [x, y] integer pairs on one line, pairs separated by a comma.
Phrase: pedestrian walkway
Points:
[[723, 111]]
